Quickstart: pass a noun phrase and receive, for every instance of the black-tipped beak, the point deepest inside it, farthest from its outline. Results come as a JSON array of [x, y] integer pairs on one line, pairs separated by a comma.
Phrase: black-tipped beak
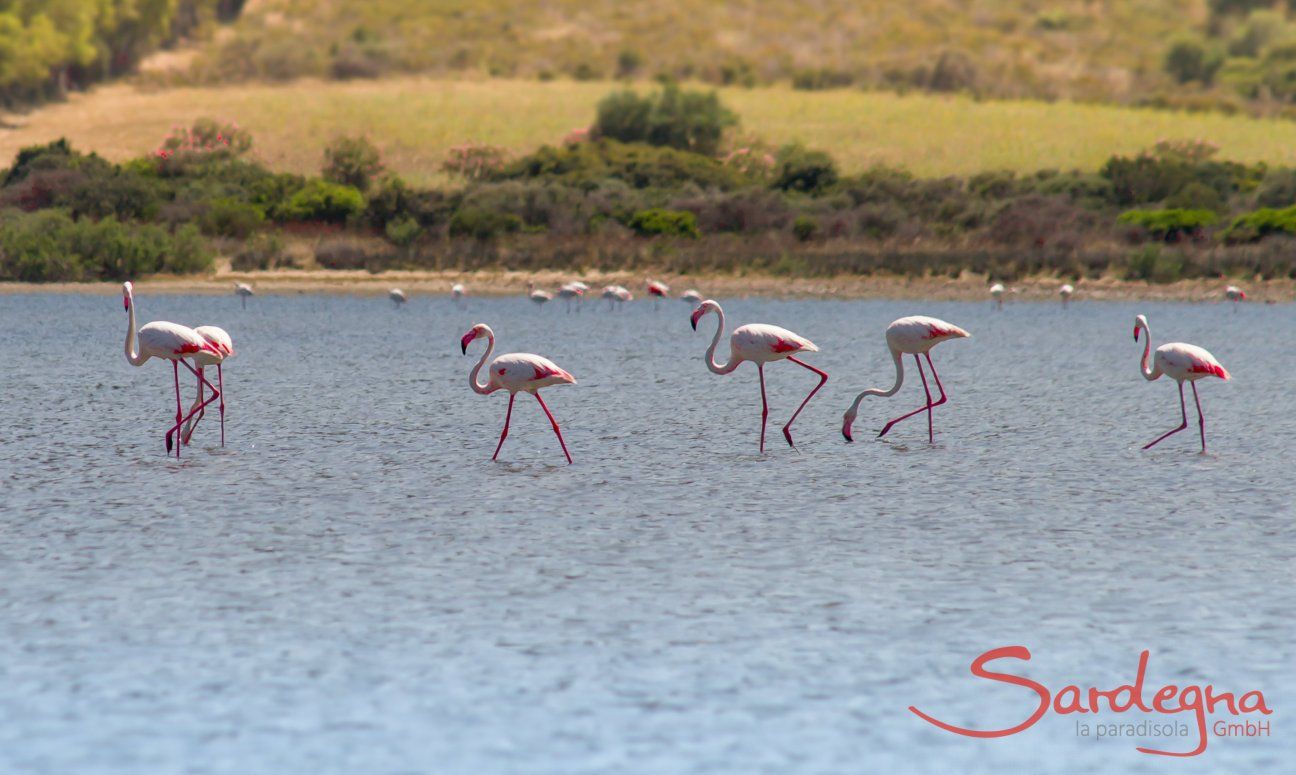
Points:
[[846, 435], [463, 347], [693, 323]]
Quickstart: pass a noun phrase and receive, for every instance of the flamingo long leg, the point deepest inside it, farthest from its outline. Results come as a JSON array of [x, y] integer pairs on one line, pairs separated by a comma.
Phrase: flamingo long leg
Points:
[[179, 421], [931, 435], [220, 380], [192, 423], [504, 434], [557, 430], [920, 409], [823, 377], [760, 370], [1201, 418], [175, 368], [1183, 409]]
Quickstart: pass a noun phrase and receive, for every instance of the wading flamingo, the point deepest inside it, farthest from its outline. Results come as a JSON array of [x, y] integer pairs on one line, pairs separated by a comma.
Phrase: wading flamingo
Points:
[[1234, 294], [616, 296], [458, 293], [914, 336], [515, 372], [538, 296], [658, 291], [167, 341], [397, 296], [243, 291], [692, 296], [572, 292], [760, 344], [225, 345], [997, 292], [1181, 362], [1065, 292]]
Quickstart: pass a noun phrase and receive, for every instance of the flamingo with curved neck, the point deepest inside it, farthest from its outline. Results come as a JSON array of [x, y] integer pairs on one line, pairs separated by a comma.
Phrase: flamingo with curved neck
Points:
[[167, 341], [915, 335], [225, 345], [515, 372], [759, 343], [1183, 363]]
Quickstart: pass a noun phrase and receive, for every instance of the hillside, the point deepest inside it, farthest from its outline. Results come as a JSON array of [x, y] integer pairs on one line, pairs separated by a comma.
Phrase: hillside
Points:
[[414, 121], [1103, 50]]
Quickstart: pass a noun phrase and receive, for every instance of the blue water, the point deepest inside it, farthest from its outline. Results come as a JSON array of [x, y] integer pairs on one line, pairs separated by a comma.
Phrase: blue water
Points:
[[351, 584]]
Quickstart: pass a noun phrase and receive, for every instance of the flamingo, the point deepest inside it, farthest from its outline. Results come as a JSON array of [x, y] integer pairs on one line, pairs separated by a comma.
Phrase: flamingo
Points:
[[915, 336], [1234, 294], [458, 293], [761, 344], [572, 291], [1065, 292], [658, 290], [397, 296], [1182, 362], [997, 292], [243, 291], [538, 296], [616, 296], [167, 341], [515, 372], [692, 296], [225, 346]]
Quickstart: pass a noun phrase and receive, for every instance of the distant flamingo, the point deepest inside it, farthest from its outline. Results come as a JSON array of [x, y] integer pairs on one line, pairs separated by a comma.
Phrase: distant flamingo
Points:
[[168, 341], [658, 290], [1181, 362], [515, 372], [572, 292], [997, 292], [225, 345], [692, 296], [1065, 292], [538, 296], [397, 296], [458, 293], [243, 291], [915, 336], [1234, 294], [616, 296], [759, 343]]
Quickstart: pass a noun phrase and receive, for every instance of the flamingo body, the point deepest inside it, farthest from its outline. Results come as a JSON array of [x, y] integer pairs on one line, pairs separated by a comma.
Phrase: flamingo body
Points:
[[397, 296], [763, 343], [692, 296], [659, 289], [1181, 362], [1065, 292]]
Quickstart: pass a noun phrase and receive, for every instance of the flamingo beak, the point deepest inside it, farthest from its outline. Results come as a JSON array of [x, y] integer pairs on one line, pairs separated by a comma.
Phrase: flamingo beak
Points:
[[463, 343], [693, 319], [1136, 333], [846, 431]]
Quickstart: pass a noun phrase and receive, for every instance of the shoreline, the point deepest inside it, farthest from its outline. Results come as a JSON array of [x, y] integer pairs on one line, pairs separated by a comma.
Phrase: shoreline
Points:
[[508, 283]]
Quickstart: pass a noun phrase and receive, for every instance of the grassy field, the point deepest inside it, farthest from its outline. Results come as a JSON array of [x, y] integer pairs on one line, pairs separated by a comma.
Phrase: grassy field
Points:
[[415, 120]]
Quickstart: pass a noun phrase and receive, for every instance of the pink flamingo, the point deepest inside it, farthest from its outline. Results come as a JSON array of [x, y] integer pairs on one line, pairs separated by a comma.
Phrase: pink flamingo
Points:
[[225, 345], [915, 336], [658, 291], [760, 344], [167, 341], [515, 372], [1182, 362]]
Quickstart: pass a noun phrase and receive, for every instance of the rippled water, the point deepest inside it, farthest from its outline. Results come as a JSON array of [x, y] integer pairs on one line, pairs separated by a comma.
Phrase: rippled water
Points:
[[352, 584]]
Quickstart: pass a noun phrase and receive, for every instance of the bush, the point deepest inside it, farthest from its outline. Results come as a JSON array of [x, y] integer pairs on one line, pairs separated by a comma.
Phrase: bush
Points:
[[483, 224], [229, 217], [805, 228], [815, 79], [1189, 58], [474, 161], [1195, 196], [1255, 226], [50, 246], [352, 161], [319, 200], [1278, 189], [403, 233], [800, 169], [667, 223], [1155, 264], [1169, 224], [641, 166], [687, 120], [262, 251], [394, 200]]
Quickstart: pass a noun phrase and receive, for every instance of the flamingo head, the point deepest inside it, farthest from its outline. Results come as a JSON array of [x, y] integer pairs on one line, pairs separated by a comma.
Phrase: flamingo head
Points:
[[702, 309], [1139, 322], [127, 290], [476, 332], [847, 421]]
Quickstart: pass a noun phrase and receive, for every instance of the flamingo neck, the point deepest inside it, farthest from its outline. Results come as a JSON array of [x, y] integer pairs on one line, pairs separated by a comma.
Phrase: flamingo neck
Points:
[[719, 368], [1148, 373], [483, 388], [896, 356], [132, 352]]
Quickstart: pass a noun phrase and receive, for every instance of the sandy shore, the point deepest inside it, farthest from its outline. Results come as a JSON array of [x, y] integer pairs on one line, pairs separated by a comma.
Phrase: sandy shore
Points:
[[502, 283]]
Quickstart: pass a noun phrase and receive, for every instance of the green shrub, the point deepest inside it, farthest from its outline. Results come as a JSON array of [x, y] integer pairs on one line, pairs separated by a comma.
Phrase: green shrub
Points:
[[1195, 196], [483, 224], [320, 200], [800, 169], [1155, 264], [1169, 224], [1189, 58], [815, 79], [393, 200], [50, 246], [805, 228], [262, 251], [56, 155], [404, 232], [229, 217], [1257, 225], [666, 223], [352, 161], [641, 166], [1278, 189], [688, 120]]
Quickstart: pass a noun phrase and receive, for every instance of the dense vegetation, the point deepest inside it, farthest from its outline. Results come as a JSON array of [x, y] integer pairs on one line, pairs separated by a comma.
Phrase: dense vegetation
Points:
[[50, 46], [1172, 211]]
